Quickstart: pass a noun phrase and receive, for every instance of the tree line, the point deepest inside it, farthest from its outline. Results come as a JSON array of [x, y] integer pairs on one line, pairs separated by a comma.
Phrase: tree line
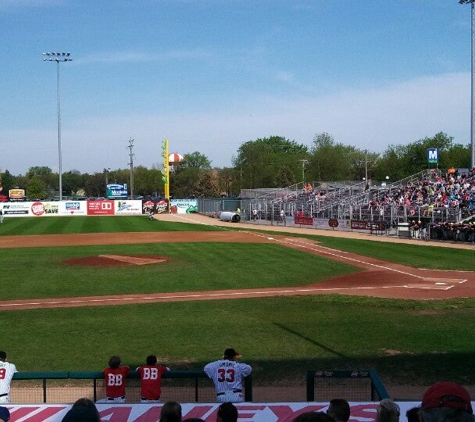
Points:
[[273, 162]]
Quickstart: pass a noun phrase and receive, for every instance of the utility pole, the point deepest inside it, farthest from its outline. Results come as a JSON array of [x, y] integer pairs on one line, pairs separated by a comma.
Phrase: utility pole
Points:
[[131, 164], [304, 162]]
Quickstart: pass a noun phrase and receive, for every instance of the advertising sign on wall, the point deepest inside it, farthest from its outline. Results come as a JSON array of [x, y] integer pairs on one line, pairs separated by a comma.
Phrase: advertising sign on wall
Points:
[[128, 207], [16, 208], [100, 207], [183, 206], [251, 412]]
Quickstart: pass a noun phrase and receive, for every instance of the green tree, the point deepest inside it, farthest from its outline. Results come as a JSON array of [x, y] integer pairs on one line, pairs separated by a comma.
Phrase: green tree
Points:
[[36, 188], [147, 182], [330, 160], [400, 161], [72, 182], [8, 182], [260, 161]]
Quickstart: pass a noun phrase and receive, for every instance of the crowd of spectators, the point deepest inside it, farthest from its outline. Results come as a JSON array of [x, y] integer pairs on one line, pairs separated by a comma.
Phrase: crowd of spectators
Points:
[[451, 190]]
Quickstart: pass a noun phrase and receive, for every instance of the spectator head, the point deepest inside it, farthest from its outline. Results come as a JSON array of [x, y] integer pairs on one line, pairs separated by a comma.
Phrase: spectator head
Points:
[[388, 411], [412, 414], [4, 414], [227, 412], [171, 412], [151, 360], [3, 356], [447, 394], [114, 362], [313, 417], [81, 414], [339, 410]]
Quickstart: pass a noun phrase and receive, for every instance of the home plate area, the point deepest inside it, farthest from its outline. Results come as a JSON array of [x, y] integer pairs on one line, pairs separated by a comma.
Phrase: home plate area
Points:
[[436, 283]]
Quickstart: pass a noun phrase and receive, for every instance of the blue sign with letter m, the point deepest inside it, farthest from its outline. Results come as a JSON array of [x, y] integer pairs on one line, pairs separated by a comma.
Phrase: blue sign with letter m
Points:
[[432, 155]]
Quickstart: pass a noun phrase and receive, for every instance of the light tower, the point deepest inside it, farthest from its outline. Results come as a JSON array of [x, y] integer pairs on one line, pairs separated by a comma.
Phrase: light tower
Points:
[[58, 58]]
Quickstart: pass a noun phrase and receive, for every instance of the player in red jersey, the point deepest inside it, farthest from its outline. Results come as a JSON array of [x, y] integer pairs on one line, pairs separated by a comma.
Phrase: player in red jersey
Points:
[[151, 380], [115, 377]]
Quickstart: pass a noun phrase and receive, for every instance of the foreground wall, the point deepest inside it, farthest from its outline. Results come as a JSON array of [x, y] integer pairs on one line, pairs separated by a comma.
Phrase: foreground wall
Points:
[[249, 412]]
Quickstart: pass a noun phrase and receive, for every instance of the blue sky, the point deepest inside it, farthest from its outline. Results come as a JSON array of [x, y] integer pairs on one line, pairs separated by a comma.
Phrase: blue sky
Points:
[[209, 75]]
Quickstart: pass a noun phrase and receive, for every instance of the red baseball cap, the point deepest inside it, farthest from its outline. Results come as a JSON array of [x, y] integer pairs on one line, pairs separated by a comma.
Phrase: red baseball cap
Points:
[[447, 394]]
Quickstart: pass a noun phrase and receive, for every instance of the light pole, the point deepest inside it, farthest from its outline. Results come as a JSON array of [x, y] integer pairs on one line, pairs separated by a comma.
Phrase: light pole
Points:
[[58, 58], [472, 83]]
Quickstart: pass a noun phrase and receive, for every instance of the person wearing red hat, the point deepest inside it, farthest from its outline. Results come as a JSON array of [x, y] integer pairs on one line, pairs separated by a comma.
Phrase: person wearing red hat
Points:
[[227, 375], [446, 401]]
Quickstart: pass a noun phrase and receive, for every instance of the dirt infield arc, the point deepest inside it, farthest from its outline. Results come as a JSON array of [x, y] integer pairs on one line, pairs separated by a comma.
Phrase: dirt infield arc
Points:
[[377, 278]]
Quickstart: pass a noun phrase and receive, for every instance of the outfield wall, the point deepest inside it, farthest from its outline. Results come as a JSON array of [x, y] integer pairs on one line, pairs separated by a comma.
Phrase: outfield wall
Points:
[[94, 207]]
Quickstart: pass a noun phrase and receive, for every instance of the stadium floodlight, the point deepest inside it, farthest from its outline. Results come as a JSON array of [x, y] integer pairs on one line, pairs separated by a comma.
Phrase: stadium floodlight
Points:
[[472, 101], [58, 58]]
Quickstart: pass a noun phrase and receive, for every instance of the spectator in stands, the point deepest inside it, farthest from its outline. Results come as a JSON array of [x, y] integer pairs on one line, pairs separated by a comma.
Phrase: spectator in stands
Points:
[[151, 380], [313, 417], [412, 414], [115, 377], [7, 370], [227, 412], [83, 410], [171, 412], [446, 401], [388, 411], [339, 410], [4, 414]]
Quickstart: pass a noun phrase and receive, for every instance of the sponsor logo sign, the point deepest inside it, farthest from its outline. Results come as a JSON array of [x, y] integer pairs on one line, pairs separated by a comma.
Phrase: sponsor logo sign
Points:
[[128, 207], [37, 208], [22, 208], [305, 221], [116, 190], [184, 206], [100, 207], [16, 194], [368, 225]]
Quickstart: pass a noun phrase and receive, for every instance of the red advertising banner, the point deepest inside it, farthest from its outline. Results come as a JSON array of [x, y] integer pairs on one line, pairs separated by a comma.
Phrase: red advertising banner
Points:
[[100, 207], [306, 221]]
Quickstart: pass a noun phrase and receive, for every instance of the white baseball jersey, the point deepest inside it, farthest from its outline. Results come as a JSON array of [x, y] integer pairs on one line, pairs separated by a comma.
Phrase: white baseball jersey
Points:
[[227, 376], [7, 370]]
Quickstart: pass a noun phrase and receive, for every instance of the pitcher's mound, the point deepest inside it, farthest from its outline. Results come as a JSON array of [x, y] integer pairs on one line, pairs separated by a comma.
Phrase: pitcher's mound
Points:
[[117, 260]]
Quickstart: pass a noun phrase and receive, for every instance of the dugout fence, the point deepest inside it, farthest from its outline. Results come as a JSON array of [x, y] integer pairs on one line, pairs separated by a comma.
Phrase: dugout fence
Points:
[[68, 386], [357, 385]]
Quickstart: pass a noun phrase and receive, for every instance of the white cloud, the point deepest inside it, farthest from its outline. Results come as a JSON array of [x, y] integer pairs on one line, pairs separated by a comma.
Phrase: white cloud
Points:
[[372, 119]]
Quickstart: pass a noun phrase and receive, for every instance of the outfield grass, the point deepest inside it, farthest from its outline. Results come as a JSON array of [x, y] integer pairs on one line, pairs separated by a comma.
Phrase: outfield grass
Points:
[[66, 225], [415, 342]]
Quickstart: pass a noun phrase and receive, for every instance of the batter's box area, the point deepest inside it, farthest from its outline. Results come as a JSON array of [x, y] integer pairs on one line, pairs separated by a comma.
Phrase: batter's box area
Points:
[[434, 283]]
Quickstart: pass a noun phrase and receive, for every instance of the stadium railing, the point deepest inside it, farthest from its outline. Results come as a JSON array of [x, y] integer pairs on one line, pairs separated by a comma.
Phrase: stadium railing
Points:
[[357, 385], [67, 386]]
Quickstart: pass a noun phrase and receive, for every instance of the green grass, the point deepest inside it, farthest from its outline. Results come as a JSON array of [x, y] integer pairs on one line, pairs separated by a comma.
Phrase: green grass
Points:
[[41, 273], [280, 337], [67, 225], [416, 342]]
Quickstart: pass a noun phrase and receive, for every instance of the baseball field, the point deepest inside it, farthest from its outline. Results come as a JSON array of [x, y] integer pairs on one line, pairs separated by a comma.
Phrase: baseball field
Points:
[[75, 291]]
